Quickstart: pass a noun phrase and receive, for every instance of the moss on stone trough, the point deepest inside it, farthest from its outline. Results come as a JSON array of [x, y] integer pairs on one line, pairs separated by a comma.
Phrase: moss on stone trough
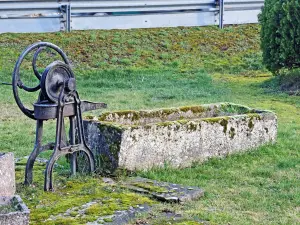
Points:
[[194, 109], [223, 121], [135, 116], [167, 117], [253, 116], [231, 132], [160, 116]]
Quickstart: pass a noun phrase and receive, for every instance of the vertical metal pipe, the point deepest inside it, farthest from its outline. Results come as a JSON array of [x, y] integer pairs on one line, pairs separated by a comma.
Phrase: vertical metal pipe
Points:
[[221, 14], [68, 18], [66, 10]]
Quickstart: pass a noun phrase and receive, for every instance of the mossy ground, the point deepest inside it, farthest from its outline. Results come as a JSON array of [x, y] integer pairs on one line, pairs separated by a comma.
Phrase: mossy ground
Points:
[[71, 194], [162, 68]]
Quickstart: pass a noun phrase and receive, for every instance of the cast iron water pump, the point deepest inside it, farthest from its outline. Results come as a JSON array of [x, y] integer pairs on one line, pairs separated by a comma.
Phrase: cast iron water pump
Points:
[[58, 98]]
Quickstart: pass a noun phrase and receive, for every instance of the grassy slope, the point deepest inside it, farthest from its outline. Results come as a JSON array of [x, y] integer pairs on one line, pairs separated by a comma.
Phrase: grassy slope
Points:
[[234, 48], [167, 67]]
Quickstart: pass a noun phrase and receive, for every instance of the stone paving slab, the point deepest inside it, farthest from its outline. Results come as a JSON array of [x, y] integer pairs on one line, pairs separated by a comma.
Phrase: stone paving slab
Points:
[[163, 191], [123, 217]]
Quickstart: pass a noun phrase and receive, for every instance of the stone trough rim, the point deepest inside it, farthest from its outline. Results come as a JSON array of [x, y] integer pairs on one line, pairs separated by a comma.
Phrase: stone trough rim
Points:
[[252, 113]]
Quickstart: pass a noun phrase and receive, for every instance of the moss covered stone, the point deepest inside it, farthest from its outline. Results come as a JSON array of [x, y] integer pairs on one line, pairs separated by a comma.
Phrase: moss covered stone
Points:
[[7, 208], [254, 116], [103, 126], [150, 187], [167, 124], [192, 126], [250, 124], [194, 109], [231, 132], [223, 121]]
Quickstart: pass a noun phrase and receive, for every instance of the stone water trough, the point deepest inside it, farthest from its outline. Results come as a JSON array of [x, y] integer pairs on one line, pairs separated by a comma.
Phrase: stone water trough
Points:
[[138, 140]]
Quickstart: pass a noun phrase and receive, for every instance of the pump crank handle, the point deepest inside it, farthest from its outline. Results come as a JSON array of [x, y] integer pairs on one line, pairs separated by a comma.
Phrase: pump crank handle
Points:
[[5, 83], [90, 106], [46, 111]]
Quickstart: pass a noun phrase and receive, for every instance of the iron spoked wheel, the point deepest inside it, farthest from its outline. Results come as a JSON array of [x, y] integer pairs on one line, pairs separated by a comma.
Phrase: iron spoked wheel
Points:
[[16, 79]]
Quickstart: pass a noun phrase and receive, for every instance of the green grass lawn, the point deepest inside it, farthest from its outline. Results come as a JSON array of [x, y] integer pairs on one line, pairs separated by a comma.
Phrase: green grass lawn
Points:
[[153, 68]]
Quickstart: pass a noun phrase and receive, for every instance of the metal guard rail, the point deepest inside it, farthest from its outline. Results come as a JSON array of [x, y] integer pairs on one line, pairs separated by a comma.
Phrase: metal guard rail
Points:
[[63, 15]]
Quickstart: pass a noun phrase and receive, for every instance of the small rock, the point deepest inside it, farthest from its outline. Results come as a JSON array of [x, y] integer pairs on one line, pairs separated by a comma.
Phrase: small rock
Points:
[[108, 180]]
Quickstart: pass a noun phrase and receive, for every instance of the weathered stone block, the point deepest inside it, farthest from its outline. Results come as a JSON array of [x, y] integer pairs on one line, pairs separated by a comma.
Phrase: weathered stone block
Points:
[[178, 136], [13, 211], [7, 174]]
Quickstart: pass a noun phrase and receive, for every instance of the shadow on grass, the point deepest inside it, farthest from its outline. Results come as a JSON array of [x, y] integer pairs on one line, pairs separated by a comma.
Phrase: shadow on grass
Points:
[[288, 83]]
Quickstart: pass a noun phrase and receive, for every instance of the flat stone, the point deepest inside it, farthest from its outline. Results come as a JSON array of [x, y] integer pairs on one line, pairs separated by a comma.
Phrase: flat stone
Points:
[[7, 175], [167, 198], [108, 180], [173, 193], [123, 217]]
